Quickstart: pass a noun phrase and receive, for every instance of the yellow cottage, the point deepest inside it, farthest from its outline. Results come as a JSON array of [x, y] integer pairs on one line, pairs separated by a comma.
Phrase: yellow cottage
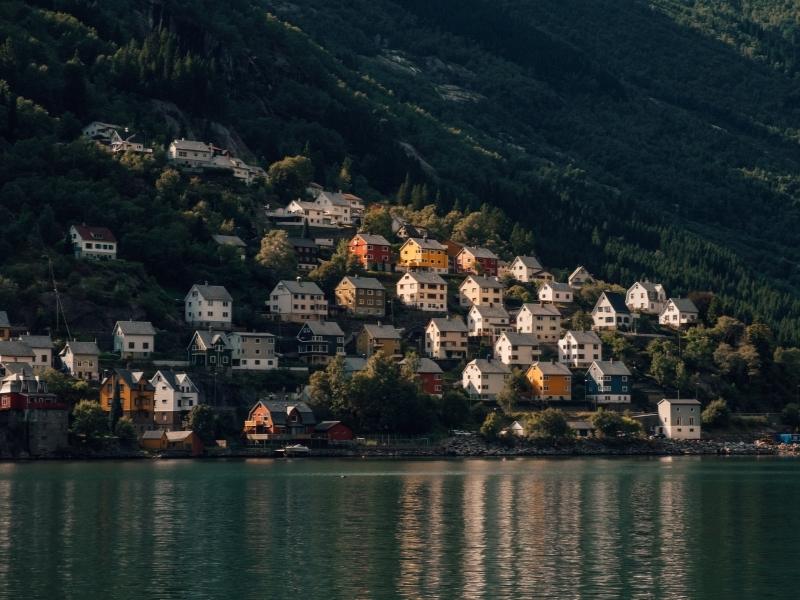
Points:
[[423, 253]]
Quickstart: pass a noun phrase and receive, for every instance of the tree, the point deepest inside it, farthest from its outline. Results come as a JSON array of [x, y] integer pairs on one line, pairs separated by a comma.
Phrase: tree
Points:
[[344, 180], [519, 292], [203, 422], [454, 409], [125, 431], [277, 254], [716, 414], [378, 221], [290, 177], [492, 425], [621, 348], [610, 424], [331, 272], [790, 415], [521, 240], [89, 419], [549, 424], [515, 387]]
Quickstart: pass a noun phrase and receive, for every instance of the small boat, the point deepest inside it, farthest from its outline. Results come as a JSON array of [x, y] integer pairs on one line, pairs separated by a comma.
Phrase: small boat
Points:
[[293, 450]]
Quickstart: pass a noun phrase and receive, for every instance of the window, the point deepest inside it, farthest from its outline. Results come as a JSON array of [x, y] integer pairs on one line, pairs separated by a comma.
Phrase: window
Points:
[[131, 346]]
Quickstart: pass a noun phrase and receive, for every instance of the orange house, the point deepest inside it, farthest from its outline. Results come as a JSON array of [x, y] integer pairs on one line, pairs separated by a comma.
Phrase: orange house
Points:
[[136, 395], [550, 381], [280, 417]]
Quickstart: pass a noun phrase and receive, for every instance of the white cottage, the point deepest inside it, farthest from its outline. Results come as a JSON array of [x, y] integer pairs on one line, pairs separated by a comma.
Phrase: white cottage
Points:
[[208, 305], [679, 312], [517, 349], [679, 419], [42, 347], [487, 321], [93, 242], [578, 349], [555, 293], [525, 268], [134, 339], [646, 297], [446, 338], [541, 320], [484, 378], [252, 351], [481, 291], [298, 301], [174, 397], [610, 312], [423, 291], [579, 277]]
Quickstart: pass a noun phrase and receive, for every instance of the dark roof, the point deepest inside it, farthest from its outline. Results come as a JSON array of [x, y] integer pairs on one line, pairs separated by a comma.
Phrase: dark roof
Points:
[[551, 368], [324, 328], [449, 324], [15, 348], [303, 243], [213, 292], [684, 305], [82, 348], [326, 425], [362, 283], [279, 410], [617, 302], [37, 341], [612, 367], [132, 378], [229, 240], [153, 435], [374, 239], [97, 234]]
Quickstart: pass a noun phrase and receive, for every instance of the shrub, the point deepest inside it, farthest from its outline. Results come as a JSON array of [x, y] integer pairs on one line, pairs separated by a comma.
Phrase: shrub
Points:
[[490, 430], [549, 424], [790, 416], [610, 424], [716, 414]]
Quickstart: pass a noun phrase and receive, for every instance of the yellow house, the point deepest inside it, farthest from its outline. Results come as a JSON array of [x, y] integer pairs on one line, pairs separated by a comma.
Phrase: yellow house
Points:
[[423, 253], [550, 381]]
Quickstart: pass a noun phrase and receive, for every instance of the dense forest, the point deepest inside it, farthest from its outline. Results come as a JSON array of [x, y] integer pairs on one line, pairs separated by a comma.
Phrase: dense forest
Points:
[[653, 139]]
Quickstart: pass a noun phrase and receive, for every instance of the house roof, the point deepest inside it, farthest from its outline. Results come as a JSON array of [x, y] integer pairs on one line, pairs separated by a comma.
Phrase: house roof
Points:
[[425, 365], [686, 401], [324, 328], [449, 324], [362, 283], [374, 239], [15, 348], [132, 378], [82, 348], [578, 271], [648, 286], [210, 338], [37, 341], [520, 339], [4, 319], [96, 234], [135, 327], [542, 309], [354, 364], [168, 376], [490, 312], [153, 435], [425, 277], [486, 365], [611, 367], [179, 436], [17, 368], [684, 305], [382, 332], [334, 197], [229, 240], [192, 145], [484, 282], [252, 334], [478, 252], [617, 301], [530, 262], [579, 424], [302, 243], [427, 243], [212, 292], [557, 286], [300, 287], [280, 409], [584, 337], [552, 368], [326, 425]]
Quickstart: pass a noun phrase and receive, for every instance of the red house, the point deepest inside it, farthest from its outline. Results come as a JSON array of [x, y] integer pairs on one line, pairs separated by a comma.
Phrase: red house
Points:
[[478, 261], [429, 375], [373, 251], [333, 431]]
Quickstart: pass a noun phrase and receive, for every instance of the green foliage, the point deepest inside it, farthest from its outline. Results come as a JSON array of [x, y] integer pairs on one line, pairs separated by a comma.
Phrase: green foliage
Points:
[[492, 425], [610, 424], [790, 415], [716, 414], [549, 424], [89, 419], [516, 387], [125, 431], [203, 421], [331, 272], [378, 221], [277, 254], [454, 409], [290, 177]]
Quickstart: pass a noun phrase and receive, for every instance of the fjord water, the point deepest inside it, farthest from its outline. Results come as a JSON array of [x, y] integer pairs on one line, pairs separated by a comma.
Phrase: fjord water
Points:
[[305, 529]]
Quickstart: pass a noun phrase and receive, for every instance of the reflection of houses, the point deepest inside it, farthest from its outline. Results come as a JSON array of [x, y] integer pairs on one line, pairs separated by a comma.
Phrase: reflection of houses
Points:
[[282, 418], [136, 396], [210, 349]]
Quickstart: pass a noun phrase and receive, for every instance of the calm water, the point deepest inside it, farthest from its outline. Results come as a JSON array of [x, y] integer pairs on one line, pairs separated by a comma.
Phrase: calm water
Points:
[[306, 529]]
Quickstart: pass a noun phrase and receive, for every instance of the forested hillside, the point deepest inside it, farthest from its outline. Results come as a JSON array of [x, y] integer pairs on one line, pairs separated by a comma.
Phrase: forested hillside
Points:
[[651, 139]]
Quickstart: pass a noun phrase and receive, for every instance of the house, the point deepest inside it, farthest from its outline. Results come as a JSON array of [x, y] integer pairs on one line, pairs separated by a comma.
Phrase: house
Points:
[[231, 241], [484, 378], [333, 431], [353, 365], [679, 312], [310, 212], [39, 418], [679, 419], [184, 441], [646, 297], [515, 349], [42, 346], [252, 351], [488, 321], [361, 296], [429, 375], [284, 418], [5, 326], [525, 268], [244, 172], [320, 341], [93, 242], [446, 337], [423, 291], [377, 338], [14, 351], [579, 277], [453, 250], [542, 320], [174, 395], [423, 253], [134, 339], [191, 154], [209, 306], [298, 301], [154, 440], [479, 261], [610, 312], [136, 395], [515, 429], [555, 293], [98, 131], [481, 291], [579, 349], [608, 382], [307, 253], [210, 349], [581, 427], [374, 252], [550, 381], [405, 230], [335, 207], [82, 360]]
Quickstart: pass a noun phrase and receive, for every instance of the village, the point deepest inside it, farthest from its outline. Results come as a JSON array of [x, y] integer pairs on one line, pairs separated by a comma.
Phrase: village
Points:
[[499, 330]]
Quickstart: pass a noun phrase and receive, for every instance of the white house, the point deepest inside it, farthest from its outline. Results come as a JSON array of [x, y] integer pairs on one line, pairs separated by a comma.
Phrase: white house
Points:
[[252, 351], [514, 348], [100, 132], [93, 242], [134, 339], [578, 349], [579, 277], [82, 360], [337, 209], [487, 321], [516, 429], [679, 312], [555, 293], [484, 378], [481, 291], [310, 211], [646, 297], [446, 337], [191, 153], [14, 351], [610, 312], [679, 419], [423, 290], [42, 347], [175, 396], [542, 320], [298, 301], [208, 305], [525, 268]]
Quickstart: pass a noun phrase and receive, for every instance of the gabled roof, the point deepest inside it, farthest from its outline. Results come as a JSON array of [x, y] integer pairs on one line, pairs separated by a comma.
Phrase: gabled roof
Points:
[[37, 341], [579, 424], [520, 339], [156, 434], [686, 401], [260, 334], [530, 262], [611, 367], [425, 277], [229, 240], [179, 436], [135, 327], [279, 411], [584, 337], [382, 332], [131, 378], [335, 198], [578, 271], [81, 348], [483, 282], [208, 339], [212, 292], [486, 365], [480, 252], [362, 283], [15, 348], [302, 243], [300, 287], [4, 319], [684, 305], [617, 301], [448, 324], [545, 310], [425, 365], [374, 239], [557, 286], [490, 312], [323, 426], [354, 364], [16, 368], [192, 145], [551, 368], [427, 243], [95, 234], [324, 328], [648, 286]]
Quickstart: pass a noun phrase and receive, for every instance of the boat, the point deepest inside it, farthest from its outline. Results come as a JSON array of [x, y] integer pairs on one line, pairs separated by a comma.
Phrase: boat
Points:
[[293, 450]]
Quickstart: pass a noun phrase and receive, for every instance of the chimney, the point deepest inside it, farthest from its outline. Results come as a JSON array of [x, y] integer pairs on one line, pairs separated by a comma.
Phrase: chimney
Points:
[[299, 281]]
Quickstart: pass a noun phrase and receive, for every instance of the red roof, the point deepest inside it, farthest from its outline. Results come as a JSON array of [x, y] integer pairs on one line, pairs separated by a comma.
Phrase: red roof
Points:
[[98, 234]]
